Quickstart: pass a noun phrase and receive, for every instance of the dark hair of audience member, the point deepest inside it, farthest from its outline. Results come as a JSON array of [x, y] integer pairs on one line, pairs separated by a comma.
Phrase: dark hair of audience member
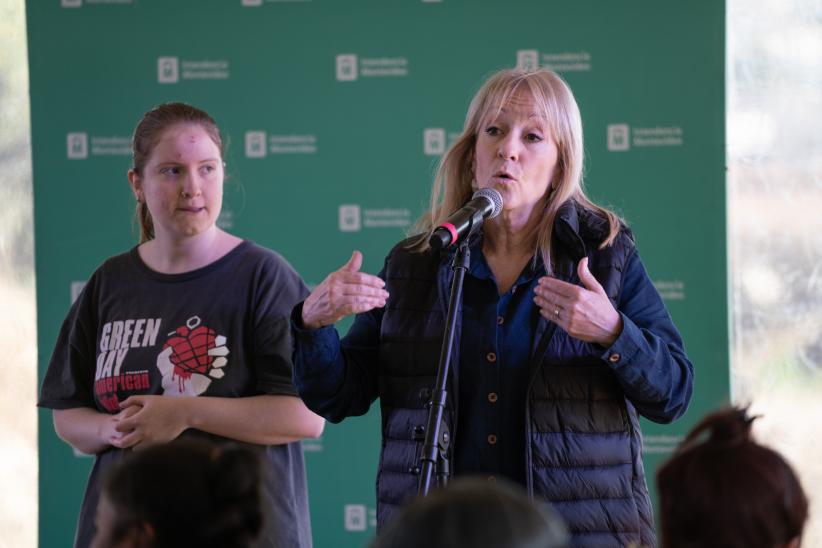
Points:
[[722, 489], [188, 492], [473, 512]]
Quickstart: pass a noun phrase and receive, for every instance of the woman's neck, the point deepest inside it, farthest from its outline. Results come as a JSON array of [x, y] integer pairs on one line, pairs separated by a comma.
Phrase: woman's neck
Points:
[[175, 256], [512, 234]]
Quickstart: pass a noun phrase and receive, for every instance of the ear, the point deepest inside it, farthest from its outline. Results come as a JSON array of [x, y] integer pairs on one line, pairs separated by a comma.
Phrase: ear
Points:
[[136, 185]]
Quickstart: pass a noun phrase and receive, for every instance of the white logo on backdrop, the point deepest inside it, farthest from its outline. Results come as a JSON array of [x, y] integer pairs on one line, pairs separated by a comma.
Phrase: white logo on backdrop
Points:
[[71, 3], [349, 216], [622, 137], [531, 59], [171, 70], [312, 445], [433, 141], [252, 2], [77, 145], [351, 67], [355, 517], [346, 67], [259, 144], [619, 137], [670, 290], [255, 144], [528, 59], [78, 148], [353, 218], [75, 288], [168, 70]]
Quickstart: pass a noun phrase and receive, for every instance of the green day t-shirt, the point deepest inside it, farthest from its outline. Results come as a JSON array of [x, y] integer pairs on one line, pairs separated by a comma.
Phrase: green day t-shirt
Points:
[[190, 358], [221, 330]]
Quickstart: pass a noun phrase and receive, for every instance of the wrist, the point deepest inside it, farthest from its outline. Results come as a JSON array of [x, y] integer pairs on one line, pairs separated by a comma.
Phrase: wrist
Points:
[[188, 412]]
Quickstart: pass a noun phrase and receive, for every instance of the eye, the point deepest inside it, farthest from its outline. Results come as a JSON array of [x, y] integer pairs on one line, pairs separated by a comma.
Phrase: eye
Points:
[[533, 137], [170, 170], [492, 131]]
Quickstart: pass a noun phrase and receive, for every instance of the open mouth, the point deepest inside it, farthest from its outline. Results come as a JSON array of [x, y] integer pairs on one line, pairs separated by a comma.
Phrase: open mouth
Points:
[[503, 176]]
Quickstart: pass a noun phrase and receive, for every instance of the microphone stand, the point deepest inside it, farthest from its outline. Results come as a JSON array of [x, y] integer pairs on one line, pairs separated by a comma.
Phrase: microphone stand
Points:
[[437, 438]]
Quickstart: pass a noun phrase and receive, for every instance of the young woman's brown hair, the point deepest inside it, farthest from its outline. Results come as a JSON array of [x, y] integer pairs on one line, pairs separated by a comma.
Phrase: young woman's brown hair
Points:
[[723, 489]]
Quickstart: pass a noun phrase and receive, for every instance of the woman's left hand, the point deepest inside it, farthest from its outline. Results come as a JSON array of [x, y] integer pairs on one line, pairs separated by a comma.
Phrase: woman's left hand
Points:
[[585, 313], [158, 419]]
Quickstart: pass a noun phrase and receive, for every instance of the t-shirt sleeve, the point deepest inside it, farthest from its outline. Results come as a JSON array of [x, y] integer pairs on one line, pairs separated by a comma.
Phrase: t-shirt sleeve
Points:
[[70, 375], [280, 288]]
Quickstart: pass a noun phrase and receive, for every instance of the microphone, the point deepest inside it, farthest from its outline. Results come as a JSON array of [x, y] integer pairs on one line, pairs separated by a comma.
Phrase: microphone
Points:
[[486, 203]]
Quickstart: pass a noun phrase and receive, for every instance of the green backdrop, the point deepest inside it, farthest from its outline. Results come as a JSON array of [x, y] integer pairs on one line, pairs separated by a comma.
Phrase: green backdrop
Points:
[[336, 112]]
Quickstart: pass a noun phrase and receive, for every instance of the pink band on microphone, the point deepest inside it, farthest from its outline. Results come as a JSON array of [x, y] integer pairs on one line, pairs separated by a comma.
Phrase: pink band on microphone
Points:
[[452, 229]]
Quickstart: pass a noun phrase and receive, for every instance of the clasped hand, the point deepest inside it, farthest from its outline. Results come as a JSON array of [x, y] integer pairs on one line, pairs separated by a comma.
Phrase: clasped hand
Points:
[[146, 420], [585, 313], [343, 292]]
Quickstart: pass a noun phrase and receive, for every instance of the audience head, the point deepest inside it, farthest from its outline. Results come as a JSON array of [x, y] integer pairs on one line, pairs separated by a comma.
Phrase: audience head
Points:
[[185, 493], [722, 489], [476, 513]]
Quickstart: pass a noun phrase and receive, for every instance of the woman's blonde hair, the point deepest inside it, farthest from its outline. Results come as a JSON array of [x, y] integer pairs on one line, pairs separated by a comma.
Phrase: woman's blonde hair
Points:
[[553, 100]]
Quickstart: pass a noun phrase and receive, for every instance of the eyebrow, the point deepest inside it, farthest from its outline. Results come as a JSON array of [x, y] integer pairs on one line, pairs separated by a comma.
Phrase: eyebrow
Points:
[[174, 162]]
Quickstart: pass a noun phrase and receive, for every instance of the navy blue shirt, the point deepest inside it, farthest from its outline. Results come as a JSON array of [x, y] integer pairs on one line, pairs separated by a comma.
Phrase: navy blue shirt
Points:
[[495, 347]]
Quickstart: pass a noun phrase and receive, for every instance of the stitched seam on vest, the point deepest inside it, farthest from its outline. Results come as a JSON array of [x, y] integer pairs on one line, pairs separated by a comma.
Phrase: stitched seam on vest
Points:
[[577, 433], [578, 466], [565, 501]]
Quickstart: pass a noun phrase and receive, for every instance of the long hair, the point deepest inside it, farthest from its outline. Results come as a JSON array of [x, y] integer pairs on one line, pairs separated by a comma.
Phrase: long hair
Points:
[[721, 488], [552, 100], [146, 135]]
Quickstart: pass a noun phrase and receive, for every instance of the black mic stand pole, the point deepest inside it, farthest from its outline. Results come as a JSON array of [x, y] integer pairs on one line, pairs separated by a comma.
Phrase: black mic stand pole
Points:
[[437, 438]]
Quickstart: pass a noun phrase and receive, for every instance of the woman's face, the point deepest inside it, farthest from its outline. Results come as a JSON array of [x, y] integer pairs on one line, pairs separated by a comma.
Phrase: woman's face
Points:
[[516, 155], [182, 182]]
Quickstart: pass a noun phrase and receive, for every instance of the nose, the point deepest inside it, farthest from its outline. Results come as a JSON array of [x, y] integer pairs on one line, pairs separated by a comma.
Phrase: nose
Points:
[[191, 185], [508, 148]]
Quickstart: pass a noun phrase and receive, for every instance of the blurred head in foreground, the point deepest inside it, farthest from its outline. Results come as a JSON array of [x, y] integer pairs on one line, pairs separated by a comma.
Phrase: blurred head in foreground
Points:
[[473, 512], [185, 493], [722, 489]]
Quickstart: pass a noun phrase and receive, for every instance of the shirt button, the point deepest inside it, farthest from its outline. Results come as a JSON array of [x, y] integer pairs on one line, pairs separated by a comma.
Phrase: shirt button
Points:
[[492, 397], [491, 357], [500, 320], [613, 358], [492, 439]]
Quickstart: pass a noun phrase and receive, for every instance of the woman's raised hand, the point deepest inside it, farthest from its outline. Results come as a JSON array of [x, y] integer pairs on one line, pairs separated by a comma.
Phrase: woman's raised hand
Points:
[[343, 292], [585, 312]]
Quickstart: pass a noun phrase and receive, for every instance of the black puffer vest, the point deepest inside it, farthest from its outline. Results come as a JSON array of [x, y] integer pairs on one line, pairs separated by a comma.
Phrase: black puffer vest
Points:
[[583, 442]]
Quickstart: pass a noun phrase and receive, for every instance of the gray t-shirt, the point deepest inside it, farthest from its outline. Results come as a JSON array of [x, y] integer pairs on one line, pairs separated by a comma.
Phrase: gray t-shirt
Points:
[[221, 330]]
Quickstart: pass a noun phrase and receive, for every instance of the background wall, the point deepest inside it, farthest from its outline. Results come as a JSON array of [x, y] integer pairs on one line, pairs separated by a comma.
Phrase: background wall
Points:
[[336, 113]]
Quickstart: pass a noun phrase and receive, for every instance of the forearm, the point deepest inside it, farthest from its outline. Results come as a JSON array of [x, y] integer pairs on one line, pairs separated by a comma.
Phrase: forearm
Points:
[[264, 420], [332, 376], [83, 428]]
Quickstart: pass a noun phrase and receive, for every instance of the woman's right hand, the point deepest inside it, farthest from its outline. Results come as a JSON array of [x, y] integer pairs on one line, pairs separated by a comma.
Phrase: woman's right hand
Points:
[[343, 292]]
